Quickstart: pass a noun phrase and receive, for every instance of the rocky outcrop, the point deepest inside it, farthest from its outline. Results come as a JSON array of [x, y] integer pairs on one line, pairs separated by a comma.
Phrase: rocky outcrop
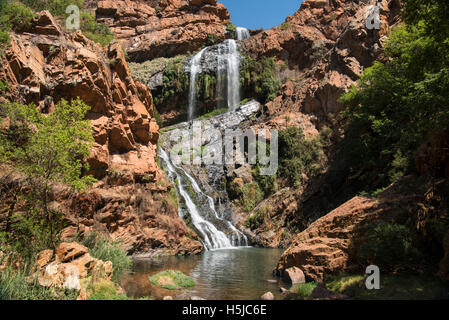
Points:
[[151, 29], [331, 244], [324, 46], [143, 216], [48, 65], [69, 266], [130, 203]]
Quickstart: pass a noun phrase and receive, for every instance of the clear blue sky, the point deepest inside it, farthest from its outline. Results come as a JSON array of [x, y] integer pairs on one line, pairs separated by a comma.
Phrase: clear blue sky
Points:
[[253, 14]]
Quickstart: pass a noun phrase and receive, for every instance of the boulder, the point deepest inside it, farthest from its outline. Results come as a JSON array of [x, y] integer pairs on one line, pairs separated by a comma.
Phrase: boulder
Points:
[[330, 244], [267, 296], [72, 263], [67, 252], [294, 275]]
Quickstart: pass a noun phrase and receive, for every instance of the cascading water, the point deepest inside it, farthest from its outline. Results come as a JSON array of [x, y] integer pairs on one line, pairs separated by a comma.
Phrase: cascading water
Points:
[[242, 33], [214, 229], [212, 237], [226, 59], [233, 61], [195, 69]]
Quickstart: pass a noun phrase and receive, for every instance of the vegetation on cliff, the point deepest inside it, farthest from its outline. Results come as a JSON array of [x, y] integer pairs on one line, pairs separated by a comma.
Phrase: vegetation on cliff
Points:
[[397, 124], [399, 104], [259, 78], [17, 15], [45, 150]]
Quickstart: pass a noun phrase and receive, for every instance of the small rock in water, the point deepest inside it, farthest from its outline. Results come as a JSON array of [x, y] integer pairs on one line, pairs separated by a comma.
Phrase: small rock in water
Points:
[[267, 296], [272, 281], [196, 298], [283, 290], [168, 298]]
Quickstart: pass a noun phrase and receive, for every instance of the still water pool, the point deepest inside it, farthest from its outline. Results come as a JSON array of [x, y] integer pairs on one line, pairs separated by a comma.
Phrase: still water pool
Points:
[[230, 274]]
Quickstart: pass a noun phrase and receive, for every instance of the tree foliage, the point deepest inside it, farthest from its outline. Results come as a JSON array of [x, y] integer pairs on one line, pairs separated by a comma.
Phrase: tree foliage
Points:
[[398, 104], [45, 149]]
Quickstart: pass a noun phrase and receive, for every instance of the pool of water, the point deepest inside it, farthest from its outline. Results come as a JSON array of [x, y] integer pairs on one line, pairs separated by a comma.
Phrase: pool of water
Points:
[[230, 274]]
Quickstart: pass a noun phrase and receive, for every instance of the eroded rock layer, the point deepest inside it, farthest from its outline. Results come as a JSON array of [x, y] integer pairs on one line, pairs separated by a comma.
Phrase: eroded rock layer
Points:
[[164, 28], [325, 45]]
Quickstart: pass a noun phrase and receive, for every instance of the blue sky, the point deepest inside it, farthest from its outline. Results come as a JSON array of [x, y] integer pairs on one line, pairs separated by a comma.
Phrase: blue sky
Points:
[[253, 14]]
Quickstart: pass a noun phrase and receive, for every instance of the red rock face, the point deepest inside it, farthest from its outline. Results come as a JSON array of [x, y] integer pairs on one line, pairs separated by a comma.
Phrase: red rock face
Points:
[[330, 245], [151, 29], [47, 65], [130, 203], [325, 45]]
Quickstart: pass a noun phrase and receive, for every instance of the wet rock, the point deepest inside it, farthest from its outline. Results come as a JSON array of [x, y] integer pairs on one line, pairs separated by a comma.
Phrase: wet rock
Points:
[[196, 298], [167, 298]]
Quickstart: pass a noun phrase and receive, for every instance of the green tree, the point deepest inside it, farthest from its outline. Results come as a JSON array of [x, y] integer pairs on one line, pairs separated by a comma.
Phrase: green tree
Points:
[[45, 150], [398, 104]]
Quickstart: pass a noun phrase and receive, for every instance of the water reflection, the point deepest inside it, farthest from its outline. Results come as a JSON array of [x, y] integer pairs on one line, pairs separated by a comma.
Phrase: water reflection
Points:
[[232, 274]]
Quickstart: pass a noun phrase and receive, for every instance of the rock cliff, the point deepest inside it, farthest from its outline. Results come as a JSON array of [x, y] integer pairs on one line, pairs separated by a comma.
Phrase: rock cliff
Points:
[[321, 51], [129, 202], [162, 28], [323, 48]]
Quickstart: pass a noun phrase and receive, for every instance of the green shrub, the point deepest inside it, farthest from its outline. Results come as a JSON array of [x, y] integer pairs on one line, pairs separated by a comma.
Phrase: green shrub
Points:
[[56, 7], [158, 117], [97, 32], [298, 156], [214, 113], [231, 30], [172, 280], [104, 290], [285, 26], [104, 249], [389, 246], [211, 39], [51, 151], [305, 290], [398, 104], [268, 184], [259, 76], [251, 196], [257, 219], [4, 39], [3, 85], [16, 16]]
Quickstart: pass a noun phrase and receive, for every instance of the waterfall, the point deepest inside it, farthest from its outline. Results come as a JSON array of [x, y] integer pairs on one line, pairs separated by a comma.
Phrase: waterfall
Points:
[[242, 33], [233, 60], [215, 231], [224, 60], [212, 237], [195, 69]]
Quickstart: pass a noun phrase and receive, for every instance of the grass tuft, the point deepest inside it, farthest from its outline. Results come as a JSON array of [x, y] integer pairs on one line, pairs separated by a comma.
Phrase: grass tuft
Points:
[[172, 280]]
